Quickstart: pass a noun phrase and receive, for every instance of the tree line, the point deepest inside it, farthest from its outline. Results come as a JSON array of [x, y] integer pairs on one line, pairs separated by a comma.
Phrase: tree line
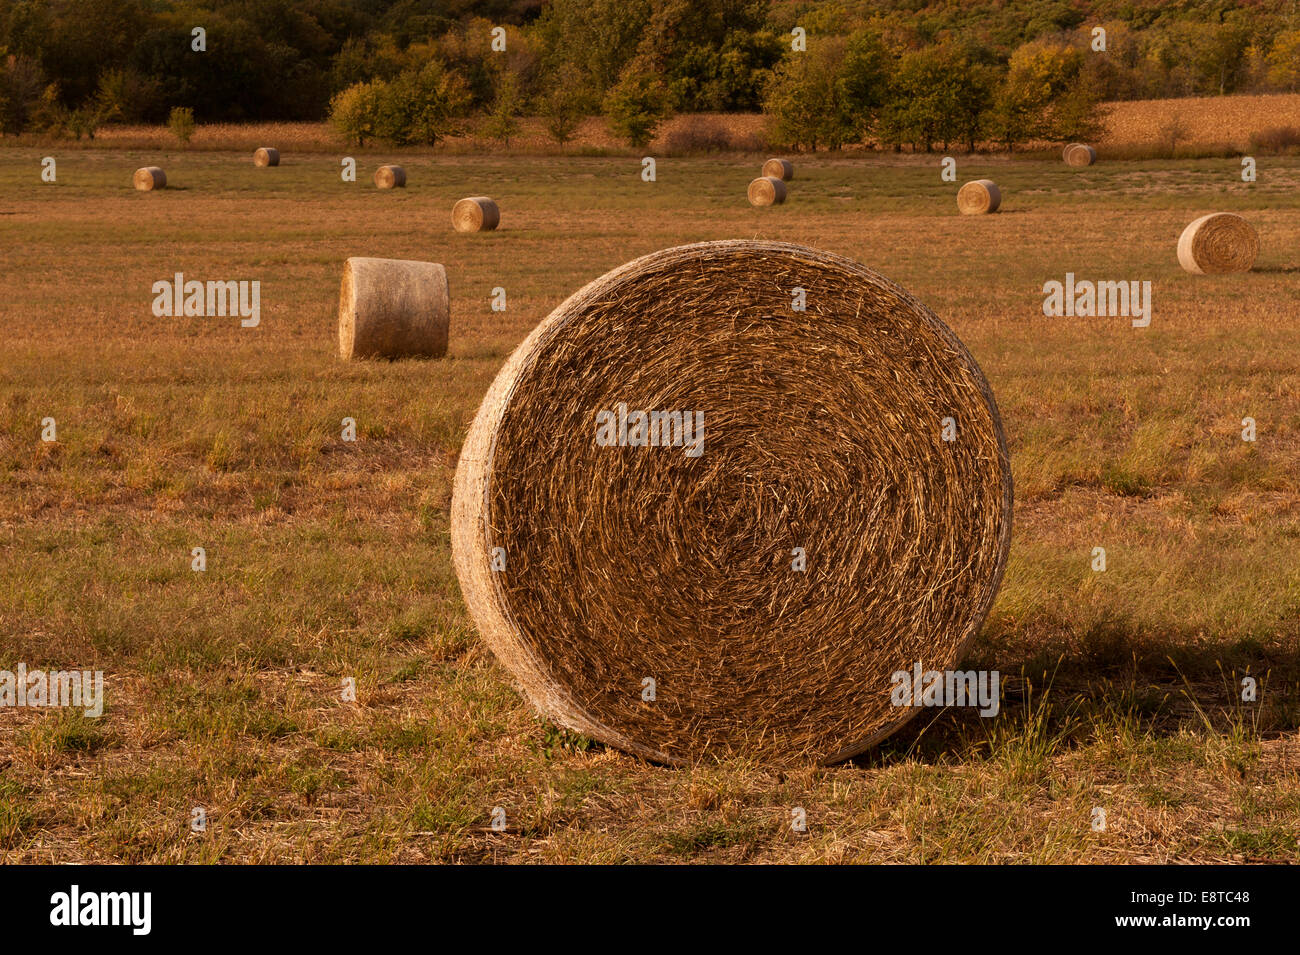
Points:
[[895, 73]]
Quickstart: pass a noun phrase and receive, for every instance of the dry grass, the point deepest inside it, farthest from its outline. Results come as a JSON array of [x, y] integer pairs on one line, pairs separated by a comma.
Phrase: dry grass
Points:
[[329, 559]]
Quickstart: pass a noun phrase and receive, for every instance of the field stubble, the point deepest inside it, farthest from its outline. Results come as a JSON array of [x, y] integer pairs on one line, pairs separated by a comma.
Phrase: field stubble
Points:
[[329, 559]]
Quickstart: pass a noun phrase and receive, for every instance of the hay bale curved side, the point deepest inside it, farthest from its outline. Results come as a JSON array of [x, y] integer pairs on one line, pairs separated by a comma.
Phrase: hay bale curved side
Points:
[[266, 156], [389, 176], [475, 214], [781, 169], [1217, 243], [591, 564], [148, 178], [766, 191], [978, 197], [1080, 154], [393, 308]]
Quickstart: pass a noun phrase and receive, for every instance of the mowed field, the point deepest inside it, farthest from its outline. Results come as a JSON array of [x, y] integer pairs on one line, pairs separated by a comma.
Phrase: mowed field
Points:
[[328, 559]]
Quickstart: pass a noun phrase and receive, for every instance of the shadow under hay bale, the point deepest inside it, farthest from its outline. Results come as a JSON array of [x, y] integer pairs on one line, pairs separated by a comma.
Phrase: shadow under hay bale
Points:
[[391, 308], [692, 520]]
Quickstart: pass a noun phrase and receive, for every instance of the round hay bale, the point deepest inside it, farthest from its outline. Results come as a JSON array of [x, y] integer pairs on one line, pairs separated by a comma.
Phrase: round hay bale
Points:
[[148, 178], [475, 214], [391, 308], [266, 156], [766, 191], [1219, 242], [1079, 154], [979, 196], [593, 564], [779, 169], [390, 177]]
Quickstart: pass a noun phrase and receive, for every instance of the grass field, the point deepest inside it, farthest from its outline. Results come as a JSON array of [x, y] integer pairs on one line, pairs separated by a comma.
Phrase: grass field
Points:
[[329, 559]]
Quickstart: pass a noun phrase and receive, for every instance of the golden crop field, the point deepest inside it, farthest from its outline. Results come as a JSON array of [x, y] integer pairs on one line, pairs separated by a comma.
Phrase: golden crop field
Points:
[[328, 559]]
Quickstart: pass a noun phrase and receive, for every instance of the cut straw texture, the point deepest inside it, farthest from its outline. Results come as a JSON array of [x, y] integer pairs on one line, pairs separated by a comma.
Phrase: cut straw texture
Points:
[[266, 156], [475, 214], [1079, 154], [392, 308], [978, 197], [390, 177], [617, 565], [148, 178], [1218, 242], [781, 169], [766, 191]]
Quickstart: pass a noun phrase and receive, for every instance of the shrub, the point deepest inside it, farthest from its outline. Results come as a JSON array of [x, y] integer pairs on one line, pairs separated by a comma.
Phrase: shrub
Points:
[[181, 123], [1276, 139], [698, 135]]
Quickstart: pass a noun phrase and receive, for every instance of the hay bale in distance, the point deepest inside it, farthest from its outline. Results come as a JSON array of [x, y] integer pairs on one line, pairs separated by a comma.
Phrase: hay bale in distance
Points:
[[1079, 154], [390, 177], [392, 308], [979, 196], [266, 156], [1218, 242], [590, 567], [779, 169], [475, 214], [148, 178], [766, 191]]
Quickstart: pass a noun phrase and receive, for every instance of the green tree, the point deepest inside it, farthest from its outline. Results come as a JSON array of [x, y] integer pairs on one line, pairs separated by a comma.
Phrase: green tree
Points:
[[938, 94], [503, 117], [1284, 61], [354, 113], [807, 103], [420, 107], [563, 103], [636, 105], [864, 80], [1044, 95]]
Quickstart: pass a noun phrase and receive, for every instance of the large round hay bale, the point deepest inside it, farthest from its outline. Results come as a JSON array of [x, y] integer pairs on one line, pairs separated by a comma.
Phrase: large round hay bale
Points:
[[779, 169], [475, 214], [266, 156], [148, 178], [390, 177], [979, 196], [391, 308], [766, 191], [1219, 242], [809, 537], [1079, 154]]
